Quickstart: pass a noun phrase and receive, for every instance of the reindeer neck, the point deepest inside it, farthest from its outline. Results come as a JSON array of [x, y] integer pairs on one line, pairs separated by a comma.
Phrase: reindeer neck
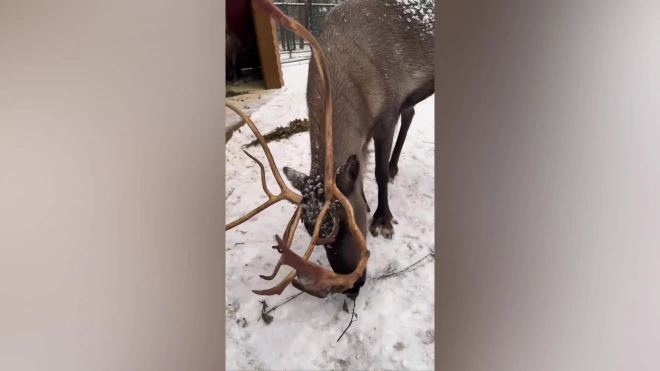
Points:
[[347, 140]]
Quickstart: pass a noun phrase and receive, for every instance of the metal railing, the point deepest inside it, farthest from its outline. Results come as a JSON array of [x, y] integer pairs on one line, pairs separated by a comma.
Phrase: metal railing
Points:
[[310, 14]]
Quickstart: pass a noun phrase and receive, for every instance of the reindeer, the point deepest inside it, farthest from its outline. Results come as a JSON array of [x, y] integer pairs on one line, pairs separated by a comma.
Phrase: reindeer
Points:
[[232, 49], [377, 57]]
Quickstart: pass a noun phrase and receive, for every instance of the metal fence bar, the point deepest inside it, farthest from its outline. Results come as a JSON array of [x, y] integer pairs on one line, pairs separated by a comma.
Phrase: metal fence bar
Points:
[[310, 15]]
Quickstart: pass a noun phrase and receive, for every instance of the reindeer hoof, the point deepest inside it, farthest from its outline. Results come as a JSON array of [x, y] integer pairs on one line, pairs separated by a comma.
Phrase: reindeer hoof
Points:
[[393, 170], [382, 224]]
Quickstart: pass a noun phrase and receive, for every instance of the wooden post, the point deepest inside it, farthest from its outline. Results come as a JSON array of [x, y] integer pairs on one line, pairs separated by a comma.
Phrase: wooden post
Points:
[[264, 27]]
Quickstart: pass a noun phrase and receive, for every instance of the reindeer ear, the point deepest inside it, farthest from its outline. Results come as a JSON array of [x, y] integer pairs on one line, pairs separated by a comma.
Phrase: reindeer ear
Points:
[[296, 178], [347, 175]]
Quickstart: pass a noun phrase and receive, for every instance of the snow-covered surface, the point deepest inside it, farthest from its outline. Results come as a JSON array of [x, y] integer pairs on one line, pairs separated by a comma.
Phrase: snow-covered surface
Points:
[[395, 326], [255, 95]]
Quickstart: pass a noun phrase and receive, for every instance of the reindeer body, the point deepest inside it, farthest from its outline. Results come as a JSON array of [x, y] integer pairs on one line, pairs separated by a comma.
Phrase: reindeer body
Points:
[[380, 57]]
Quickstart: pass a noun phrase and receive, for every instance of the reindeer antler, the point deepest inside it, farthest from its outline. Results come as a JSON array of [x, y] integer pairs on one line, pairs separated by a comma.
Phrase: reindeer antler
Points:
[[306, 276]]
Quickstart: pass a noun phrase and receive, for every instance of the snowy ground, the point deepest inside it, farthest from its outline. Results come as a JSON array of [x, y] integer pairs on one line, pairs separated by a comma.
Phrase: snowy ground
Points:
[[395, 326]]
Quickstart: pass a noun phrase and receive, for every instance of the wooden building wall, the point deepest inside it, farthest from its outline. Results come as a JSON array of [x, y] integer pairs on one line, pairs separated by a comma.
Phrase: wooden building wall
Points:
[[256, 30]]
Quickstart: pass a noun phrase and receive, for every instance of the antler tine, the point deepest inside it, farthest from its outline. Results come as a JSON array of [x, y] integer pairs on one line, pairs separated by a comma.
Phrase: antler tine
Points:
[[279, 288], [285, 192], [288, 237], [263, 174], [254, 212], [293, 224], [262, 142]]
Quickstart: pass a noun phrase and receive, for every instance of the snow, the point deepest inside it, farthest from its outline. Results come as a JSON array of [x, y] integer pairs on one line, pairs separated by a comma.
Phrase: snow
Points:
[[395, 325], [420, 11]]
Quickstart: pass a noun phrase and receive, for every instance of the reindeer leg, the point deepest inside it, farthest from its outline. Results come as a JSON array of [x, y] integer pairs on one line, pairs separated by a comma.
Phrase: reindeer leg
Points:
[[407, 115], [382, 218], [233, 71], [365, 155]]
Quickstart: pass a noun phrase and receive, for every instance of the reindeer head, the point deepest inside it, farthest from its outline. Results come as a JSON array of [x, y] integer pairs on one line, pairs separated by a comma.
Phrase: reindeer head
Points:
[[341, 248], [323, 202]]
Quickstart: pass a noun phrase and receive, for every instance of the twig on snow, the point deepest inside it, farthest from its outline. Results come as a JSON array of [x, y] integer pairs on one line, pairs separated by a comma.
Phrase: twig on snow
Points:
[[353, 315], [392, 274], [264, 313]]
